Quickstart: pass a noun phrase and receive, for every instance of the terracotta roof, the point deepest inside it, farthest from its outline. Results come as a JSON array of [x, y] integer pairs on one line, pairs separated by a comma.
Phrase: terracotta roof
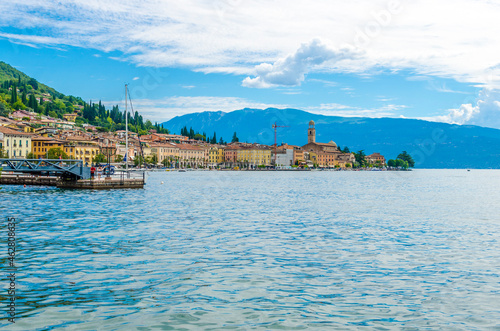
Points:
[[328, 144], [164, 145], [190, 147], [40, 138], [169, 135], [7, 120], [78, 138], [10, 131]]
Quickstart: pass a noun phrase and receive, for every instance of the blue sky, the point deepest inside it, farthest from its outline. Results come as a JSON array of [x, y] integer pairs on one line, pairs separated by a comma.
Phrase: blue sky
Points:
[[394, 58]]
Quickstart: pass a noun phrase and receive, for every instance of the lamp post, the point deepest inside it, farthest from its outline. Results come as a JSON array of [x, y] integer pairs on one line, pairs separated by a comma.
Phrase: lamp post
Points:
[[109, 166]]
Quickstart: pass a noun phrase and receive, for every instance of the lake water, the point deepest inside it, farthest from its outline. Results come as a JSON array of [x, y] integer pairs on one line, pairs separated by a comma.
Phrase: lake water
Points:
[[260, 250]]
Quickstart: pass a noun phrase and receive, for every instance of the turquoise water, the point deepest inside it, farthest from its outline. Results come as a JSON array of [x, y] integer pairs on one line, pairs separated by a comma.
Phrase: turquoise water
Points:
[[246, 250]]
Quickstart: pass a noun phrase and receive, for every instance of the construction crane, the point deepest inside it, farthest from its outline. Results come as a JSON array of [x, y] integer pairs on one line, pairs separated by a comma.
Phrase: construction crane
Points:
[[275, 126]]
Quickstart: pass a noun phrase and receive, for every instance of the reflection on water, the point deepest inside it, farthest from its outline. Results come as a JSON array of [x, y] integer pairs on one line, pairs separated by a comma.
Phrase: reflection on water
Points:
[[238, 250]]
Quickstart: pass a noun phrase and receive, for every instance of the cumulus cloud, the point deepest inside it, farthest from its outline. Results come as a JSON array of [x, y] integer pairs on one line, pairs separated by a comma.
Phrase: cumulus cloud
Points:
[[426, 36], [291, 70], [485, 112]]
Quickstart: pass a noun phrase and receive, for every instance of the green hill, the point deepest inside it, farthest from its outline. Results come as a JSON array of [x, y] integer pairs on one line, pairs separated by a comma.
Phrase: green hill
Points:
[[9, 73], [19, 91]]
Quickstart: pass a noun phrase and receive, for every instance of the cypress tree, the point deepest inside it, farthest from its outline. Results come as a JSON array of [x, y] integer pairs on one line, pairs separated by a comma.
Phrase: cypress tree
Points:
[[32, 103], [35, 104], [235, 138], [13, 95]]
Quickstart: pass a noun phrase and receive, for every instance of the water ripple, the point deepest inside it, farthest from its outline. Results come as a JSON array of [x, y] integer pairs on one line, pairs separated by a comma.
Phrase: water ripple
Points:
[[236, 250]]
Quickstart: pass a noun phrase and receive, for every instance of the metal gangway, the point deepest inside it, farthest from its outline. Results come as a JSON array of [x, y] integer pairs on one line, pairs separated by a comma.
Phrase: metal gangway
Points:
[[71, 169]]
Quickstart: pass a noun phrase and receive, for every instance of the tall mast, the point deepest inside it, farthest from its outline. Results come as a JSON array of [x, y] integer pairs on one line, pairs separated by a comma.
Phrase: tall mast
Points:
[[126, 130]]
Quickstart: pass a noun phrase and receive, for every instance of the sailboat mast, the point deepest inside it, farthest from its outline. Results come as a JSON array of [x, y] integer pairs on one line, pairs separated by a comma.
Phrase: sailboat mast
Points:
[[126, 130]]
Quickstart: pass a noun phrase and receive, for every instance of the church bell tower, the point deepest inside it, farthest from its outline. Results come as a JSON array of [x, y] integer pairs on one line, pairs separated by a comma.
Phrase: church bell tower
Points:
[[311, 133]]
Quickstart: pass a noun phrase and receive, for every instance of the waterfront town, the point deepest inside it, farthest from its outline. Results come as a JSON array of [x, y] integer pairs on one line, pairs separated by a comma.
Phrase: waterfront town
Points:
[[29, 135]]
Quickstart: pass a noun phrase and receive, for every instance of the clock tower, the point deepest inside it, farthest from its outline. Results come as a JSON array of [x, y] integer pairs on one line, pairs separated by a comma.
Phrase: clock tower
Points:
[[311, 133]]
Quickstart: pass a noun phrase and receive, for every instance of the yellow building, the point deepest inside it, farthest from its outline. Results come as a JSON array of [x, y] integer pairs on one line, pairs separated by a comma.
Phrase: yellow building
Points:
[[41, 145], [313, 157], [216, 156], [70, 117], [255, 156], [29, 129], [15, 144], [78, 148], [221, 155], [212, 156]]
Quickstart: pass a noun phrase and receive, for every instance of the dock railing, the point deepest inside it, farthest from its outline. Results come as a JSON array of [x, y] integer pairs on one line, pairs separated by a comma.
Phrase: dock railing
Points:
[[122, 176]]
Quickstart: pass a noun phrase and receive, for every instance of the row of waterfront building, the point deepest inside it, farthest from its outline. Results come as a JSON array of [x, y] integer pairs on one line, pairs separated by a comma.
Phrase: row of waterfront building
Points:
[[19, 140]]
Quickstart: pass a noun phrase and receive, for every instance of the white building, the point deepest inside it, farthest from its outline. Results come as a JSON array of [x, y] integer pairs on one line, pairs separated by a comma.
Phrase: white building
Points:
[[284, 157]]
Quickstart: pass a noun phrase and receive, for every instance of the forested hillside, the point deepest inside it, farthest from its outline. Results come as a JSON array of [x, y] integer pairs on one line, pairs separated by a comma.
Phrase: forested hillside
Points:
[[19, 91]]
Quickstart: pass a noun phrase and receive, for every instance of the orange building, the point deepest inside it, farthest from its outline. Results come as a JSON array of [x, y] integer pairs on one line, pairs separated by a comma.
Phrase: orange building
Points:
[[376, 158]]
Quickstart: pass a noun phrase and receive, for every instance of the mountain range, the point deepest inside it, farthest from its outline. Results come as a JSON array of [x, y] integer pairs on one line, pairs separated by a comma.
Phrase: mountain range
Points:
[[431, 144]]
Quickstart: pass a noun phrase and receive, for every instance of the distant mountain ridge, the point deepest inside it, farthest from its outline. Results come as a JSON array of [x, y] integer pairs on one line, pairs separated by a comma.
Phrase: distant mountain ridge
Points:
[[432, 144]]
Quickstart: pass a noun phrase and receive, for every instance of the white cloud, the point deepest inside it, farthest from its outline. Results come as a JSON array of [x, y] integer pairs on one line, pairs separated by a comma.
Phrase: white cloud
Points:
[[162, 110], [444, 89], [383, 98], [447, 38], [325, 82], [435, 85], [291, 70], [335, 109], [486, 111]]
